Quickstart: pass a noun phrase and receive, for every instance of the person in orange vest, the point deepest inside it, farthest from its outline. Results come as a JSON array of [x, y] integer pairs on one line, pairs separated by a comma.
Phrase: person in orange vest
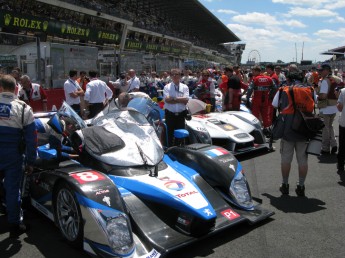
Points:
[[292, 141], [33, 94]]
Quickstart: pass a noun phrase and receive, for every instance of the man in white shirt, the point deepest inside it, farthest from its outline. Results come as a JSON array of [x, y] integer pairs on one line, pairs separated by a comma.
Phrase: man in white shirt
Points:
[[328, 113], [176, 96], [73, 91], [133, 82], [97, 95]]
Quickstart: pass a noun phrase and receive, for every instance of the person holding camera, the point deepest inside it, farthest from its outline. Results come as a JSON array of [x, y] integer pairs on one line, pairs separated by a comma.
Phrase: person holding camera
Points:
[[176, 96], [292, 141]]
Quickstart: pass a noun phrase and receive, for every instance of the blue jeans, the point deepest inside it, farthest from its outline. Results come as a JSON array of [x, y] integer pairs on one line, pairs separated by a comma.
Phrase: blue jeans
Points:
[[13, 172]]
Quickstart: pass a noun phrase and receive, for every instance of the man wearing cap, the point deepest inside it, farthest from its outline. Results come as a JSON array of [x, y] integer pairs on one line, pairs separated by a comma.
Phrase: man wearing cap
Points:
[[328, 113]]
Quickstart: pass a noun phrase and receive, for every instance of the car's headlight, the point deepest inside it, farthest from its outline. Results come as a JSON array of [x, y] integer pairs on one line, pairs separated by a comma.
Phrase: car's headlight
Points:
[[240, 192], [119, 235]]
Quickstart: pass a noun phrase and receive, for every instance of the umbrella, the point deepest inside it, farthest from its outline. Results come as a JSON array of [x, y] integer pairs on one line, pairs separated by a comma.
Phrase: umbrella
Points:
[[195, 106]]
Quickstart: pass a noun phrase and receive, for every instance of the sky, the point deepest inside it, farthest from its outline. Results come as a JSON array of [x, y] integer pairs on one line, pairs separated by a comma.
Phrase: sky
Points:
[[283, 30]]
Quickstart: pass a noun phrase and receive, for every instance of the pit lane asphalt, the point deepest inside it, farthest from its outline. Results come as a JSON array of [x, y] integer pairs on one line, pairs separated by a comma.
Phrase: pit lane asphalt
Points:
[[313, 226]]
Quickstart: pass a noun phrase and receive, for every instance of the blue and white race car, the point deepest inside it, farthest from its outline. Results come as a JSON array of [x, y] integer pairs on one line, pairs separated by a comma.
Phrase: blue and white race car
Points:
[[126, 197]]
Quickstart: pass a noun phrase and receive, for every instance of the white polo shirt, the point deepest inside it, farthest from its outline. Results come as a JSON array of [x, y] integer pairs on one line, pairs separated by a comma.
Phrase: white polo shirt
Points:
[[69, 87]]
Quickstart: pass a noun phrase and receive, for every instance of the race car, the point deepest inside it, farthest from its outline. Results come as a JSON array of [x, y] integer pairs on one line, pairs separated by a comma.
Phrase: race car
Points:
[[126, 197], [237, 131]]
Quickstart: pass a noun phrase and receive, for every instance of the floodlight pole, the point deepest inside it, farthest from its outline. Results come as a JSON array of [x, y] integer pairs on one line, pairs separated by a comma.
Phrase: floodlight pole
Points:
[[38, 44]]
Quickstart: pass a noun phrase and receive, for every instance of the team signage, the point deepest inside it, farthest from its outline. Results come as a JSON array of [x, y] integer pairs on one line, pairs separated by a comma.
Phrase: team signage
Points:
[[20, 21], [155, 48]]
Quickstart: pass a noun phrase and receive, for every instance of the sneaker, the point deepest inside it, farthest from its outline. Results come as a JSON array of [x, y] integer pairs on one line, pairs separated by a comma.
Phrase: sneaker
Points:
[[284, 188], [300, 190], [18, 229], [334, 149]]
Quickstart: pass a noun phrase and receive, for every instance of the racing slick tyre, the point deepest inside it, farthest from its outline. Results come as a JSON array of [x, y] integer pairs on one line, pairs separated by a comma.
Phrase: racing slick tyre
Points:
[[68, 215]]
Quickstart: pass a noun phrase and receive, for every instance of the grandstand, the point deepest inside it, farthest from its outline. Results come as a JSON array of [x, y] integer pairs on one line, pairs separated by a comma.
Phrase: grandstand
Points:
[[338, 58], [139, 34]]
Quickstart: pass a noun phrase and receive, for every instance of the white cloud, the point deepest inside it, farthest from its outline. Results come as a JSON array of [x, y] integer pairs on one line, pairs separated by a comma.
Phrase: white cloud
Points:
[[256, 18], [273, 45], [311, 12], [335, 4], [265, 20], [302, 2], [337, 19], [331, 34], [226, 11], [294, 23]]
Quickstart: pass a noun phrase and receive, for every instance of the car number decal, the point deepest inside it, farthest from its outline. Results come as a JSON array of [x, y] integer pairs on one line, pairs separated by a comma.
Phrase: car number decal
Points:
[[86, 177], [230, 214]]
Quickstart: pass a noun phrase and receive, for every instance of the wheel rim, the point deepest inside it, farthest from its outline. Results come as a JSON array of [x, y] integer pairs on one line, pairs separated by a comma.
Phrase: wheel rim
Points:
[[67, 214]]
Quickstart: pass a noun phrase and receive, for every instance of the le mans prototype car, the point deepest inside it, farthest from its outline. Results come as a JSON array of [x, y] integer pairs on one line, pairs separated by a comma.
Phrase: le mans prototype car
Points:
[[237, 131], [126, 197]]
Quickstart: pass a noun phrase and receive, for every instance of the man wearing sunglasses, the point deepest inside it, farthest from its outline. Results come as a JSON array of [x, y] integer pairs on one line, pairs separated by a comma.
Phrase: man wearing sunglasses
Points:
[[176, 95]]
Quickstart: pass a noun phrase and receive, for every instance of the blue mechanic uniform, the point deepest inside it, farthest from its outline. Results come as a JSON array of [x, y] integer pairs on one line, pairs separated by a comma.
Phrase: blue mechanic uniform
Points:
[[46, 135], [11, 158]]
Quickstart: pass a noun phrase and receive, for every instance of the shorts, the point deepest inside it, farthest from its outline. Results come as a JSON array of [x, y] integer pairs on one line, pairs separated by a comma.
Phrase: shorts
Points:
[[287, 149]]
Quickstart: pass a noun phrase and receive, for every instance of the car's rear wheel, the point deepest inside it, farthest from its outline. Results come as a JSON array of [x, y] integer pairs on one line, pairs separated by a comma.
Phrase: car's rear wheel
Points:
[[68, 215]]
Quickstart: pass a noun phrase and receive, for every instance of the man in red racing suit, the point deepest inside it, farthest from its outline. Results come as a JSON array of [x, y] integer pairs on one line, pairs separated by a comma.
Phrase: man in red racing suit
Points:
[[261, 105]]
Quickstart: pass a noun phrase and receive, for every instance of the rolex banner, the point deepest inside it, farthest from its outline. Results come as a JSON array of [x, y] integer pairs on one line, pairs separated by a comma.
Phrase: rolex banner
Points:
[[155, 48], [15, 22]]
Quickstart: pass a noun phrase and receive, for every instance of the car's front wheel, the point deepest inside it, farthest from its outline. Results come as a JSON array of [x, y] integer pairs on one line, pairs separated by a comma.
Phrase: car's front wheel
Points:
[[68, 215]]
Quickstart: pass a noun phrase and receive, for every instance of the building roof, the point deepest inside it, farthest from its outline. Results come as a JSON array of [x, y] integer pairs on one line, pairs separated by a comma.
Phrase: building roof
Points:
[[335, 51], [194, 15]]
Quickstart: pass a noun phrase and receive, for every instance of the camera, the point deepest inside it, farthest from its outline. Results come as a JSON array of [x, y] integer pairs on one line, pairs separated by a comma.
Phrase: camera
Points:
[[338, 88]]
